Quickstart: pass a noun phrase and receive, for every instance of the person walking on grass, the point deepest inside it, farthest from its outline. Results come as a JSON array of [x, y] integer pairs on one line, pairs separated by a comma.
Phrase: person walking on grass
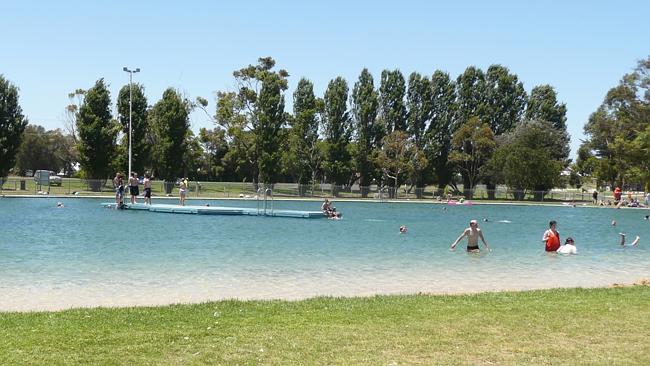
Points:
[[551, 237], [473, 233]]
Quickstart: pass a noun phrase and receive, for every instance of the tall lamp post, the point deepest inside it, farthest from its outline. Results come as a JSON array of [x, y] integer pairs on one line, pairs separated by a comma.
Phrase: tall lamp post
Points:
[[131, 72]]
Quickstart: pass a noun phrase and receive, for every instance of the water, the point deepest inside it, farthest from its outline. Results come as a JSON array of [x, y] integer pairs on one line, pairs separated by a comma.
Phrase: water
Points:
[[87, 255]]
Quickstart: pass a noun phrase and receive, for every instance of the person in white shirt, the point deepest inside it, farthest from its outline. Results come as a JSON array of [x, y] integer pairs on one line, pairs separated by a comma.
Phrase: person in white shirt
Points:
[[568, 247]]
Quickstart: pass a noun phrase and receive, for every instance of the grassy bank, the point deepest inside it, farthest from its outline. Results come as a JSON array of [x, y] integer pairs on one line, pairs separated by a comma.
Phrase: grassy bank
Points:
[[576, 326]]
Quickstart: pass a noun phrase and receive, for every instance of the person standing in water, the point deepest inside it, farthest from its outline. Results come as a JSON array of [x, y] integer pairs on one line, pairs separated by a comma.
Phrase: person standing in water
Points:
[[569, 247], [551, 237], [473, 233]]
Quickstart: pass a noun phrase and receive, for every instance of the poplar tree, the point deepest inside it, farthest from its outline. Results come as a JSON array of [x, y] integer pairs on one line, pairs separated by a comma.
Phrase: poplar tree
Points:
[[169, 120], [97, 134], [337, 131], [420, 105], [12, 125], [365, 102], [140, 147]]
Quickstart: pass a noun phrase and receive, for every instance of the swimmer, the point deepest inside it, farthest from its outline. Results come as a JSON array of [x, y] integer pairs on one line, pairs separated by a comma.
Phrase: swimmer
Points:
[[59, 205], [473, 233], [613, 222], [569, 247], [647, 217], [485, 220], [402, 229], [634, 243]]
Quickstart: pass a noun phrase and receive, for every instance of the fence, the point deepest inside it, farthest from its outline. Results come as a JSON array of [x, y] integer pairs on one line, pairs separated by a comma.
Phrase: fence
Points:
[[85, 187]]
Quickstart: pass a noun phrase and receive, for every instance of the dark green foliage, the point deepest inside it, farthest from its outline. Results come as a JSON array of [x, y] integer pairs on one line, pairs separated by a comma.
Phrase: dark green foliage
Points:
[[268, 126], [531, 157], [253, 118], [97, 132], [12, 125], [365, 104], [472, 146], [543, 106], [338, 129], [215, 148], [392, 90], [618, 130], [169, 121], [506, 99], [302, 158], [420, 107], [442, 126], [47, 150], [140, 146], [471, 97]]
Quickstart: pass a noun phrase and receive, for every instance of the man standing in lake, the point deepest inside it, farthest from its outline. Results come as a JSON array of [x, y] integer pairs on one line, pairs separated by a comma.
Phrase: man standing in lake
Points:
[[473, 233], [551, 237]]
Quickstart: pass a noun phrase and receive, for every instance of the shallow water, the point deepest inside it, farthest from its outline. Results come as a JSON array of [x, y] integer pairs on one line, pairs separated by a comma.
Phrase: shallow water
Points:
[[86, 255]]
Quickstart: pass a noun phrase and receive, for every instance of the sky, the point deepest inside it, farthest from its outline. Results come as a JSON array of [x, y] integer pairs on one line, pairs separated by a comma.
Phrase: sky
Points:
[[50, 48]]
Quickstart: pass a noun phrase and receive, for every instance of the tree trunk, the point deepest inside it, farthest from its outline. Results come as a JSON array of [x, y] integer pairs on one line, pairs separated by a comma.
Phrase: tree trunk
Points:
[[491, 190], [169, 186], [95, 185]]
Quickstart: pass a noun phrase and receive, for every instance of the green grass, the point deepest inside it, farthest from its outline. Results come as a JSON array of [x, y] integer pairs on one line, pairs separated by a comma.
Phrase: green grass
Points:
[[554, 327]]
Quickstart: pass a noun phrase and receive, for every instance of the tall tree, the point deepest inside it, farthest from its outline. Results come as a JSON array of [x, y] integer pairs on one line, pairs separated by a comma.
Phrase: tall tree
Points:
[[441, 127], [392, 90], [544, 106], [506, 99], [140, 148], [253, 122], [169, 121], [337, 132], [97, 134], [531, 158], [473, 144], [420, 107], [303, 157], [399, 157], [268, 126], [471, 94], [617, 129], [12, 125], [365, 102], [40, 149]]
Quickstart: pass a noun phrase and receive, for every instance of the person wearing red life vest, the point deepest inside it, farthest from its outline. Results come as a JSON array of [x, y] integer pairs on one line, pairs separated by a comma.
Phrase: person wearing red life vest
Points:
[[551, 237]]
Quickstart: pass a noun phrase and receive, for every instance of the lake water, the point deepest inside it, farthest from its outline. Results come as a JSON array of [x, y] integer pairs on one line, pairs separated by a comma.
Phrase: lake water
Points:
[[87, 255]]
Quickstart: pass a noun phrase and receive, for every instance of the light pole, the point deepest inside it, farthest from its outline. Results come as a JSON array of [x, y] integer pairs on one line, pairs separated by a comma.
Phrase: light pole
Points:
[[131, 72]]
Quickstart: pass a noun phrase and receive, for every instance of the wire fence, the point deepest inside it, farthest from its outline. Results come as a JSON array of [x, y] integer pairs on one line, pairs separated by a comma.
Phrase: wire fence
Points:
[[88, 187]]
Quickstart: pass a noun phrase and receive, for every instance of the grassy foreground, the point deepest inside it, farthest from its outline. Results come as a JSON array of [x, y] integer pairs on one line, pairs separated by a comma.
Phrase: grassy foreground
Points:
[[575, 326]]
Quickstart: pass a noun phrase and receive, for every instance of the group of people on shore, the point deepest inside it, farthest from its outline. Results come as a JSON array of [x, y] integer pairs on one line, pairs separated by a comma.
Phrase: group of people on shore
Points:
[[550, 238], [619, 201], [134, 189]]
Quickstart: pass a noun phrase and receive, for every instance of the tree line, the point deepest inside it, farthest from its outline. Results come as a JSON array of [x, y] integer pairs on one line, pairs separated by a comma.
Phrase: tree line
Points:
[[617, 148], [480, 127]]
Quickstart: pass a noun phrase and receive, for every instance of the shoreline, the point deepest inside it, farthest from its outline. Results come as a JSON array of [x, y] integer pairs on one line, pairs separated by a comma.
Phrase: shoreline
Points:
[[146, 301], [582, 204]]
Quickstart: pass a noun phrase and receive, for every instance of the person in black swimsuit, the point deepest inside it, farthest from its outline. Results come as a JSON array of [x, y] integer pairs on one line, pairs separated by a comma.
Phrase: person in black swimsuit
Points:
[[473, 233]]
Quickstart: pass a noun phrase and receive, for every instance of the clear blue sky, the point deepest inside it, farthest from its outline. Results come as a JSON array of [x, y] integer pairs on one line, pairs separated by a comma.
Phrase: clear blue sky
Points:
[[50, 48]]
